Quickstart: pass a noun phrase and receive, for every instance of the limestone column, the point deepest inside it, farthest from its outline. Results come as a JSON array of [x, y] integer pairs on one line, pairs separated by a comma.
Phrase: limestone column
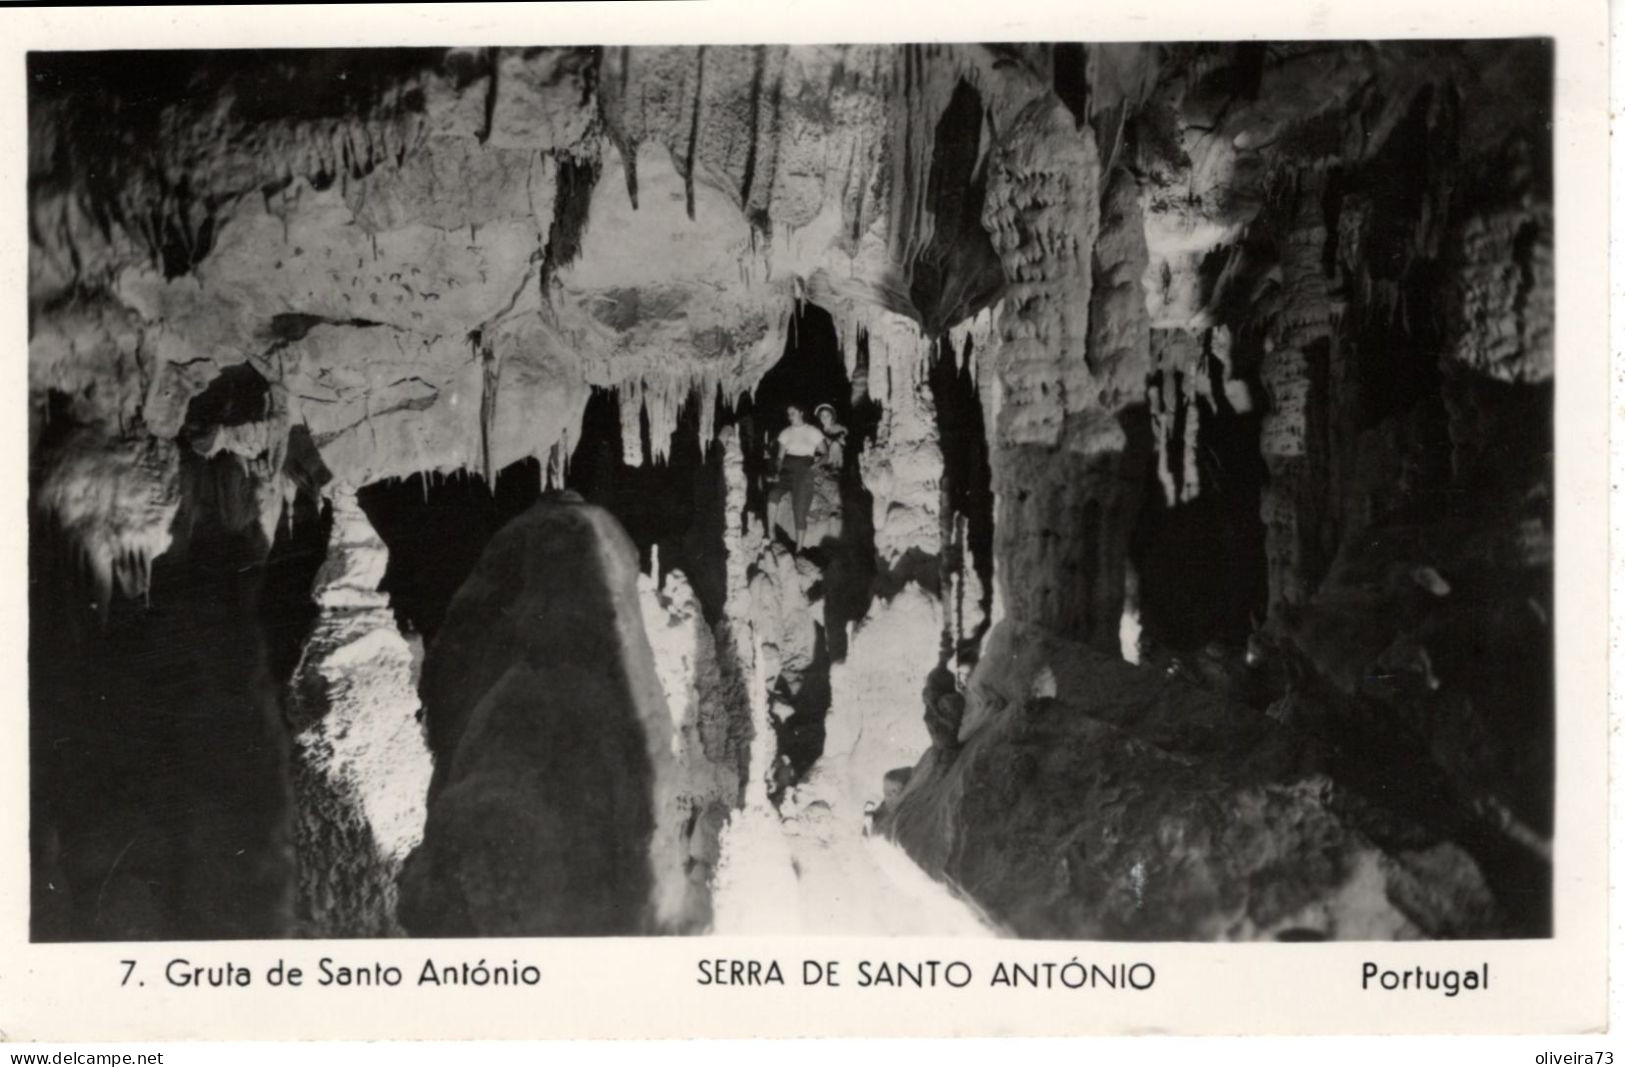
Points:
[[1065, 471], [361, 766], [1293, 427]]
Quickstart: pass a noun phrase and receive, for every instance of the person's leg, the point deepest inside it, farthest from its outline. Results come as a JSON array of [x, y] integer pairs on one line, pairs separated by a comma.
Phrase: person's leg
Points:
[[781, 501], [801, 498]]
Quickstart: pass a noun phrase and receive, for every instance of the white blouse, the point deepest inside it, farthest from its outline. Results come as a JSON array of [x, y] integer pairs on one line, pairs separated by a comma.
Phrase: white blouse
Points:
[[803, 440]]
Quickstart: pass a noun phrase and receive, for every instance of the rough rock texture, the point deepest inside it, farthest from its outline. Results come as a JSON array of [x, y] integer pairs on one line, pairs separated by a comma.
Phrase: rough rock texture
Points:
[[495, 211], [738, 655], [1425, 632], [874, 724], [361, 766], [705, 753], [1506, 264], [489, 229], [786, 628], [902, 468], [1092, 799], [1294, 436], [1290, 242], [159, 774], [807, 865], [552, 741], [1064, 489], [1043, 210], [116, 499]]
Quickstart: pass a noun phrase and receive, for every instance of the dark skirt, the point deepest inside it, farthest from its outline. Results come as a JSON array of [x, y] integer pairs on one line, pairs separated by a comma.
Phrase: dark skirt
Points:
[[796, 478]]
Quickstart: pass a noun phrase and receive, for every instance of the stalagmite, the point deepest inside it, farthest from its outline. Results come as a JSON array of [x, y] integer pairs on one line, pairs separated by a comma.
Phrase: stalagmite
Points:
[[903, 470], [552, 742], [876, 723], [1129, 629], [1195, 382], [743, 540], [707, 787], [754, 878], [1163, 400], [556, 462], [361, 766]]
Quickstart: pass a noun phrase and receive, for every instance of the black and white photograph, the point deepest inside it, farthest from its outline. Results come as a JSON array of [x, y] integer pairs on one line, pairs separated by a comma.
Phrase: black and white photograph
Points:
[[1064, 491]]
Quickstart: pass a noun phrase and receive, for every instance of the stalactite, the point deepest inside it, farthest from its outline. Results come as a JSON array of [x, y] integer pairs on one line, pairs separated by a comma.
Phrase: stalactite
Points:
[[630, 396], [970, 336], [850, 331], [493, 73], [1190, 484], [663, 399], [754, 109], [924, 77], [1179, 389], [490, 379], [694, 130], [708, 386], [657, 396], [903, 468], [554, 464]]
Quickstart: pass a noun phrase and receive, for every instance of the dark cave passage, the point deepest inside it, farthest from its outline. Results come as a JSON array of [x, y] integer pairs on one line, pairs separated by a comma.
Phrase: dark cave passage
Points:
[[286, 610], [958, 273], [436, 526], [813, 372], [799, 736], [1201, 563], [159, 743], [159, 753], [967, 486], [673, 507]]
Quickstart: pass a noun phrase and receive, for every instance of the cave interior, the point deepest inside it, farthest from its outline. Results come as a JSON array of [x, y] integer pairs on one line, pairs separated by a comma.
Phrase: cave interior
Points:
[[403, 556]]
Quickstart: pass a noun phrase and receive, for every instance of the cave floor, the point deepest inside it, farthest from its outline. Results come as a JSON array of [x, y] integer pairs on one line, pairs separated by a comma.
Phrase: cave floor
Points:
[[816, 876]]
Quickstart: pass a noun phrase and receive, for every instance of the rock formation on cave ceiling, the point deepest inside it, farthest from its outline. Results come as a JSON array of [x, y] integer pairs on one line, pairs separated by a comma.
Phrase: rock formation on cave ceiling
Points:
[[275, 282]]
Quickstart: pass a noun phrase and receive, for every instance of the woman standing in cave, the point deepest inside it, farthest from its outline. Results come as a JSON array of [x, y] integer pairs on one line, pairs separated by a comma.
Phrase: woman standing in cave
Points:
[[834, 436], [799, 444]]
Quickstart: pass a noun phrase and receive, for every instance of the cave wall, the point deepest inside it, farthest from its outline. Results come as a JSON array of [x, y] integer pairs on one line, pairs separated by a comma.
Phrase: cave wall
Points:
[[1310, 275]]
